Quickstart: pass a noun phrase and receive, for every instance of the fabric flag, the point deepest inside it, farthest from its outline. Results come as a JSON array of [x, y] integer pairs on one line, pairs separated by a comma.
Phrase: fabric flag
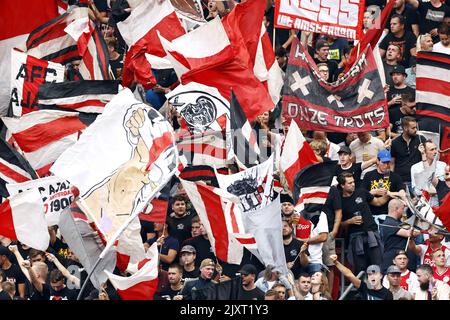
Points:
[[354, 103], [311, 186], [245, 29], [296, 155], [245, 145], [50, 42], [19, 18], [265, 225], [254, 186], [443, 211], [121, 161], [141, 285], [207, 56], [156, 211], [55, 192], [372, 36], [87, 242], [129, 246], [189, 10], [139, 31], [433, 86], [91, 48], [203, 108], [88, 96], [22, 218], [44, 135], [13, 168], [445, 146], [216, 210], [27, 73], [201, 173]]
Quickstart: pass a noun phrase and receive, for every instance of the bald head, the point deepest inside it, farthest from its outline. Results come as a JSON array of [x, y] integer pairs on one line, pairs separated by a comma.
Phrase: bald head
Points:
[[396, 208]]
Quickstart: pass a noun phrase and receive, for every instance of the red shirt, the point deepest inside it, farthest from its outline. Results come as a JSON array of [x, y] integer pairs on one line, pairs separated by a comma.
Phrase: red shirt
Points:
[[303, 229], [445, 276]]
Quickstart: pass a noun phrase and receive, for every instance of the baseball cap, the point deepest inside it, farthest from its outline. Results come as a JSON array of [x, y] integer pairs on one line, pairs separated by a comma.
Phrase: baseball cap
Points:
[[248, 269], [188, 248], [5, 251], [393, 269], [373, 268], [321, 43], [399, 69], [345, 149], [384, 155], [284, 197], [400, 253], [207, 263]]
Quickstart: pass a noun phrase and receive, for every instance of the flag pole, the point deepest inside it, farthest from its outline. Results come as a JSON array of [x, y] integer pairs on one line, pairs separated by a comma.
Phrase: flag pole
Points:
[[274, 37]]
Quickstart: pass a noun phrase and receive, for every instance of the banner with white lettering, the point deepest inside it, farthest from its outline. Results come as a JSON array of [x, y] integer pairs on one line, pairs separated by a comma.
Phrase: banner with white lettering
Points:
[[55, 193], [354, 103], [330, 17], [27, 73]]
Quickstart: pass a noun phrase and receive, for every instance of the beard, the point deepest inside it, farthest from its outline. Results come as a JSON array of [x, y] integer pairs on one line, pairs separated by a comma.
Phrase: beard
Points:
[[424, 285], [286, 237]]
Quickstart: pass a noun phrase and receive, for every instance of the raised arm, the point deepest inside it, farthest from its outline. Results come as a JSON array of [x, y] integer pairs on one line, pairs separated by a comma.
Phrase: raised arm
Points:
[[15, 250], [33, 279], [66, 273], [346, 271]]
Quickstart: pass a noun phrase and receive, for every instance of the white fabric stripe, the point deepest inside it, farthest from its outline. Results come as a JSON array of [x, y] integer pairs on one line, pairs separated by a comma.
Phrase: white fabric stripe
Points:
[[433, 98], [158, 62], [292, 145], [29, 219], [307, 190], [147, 273], [260, 69], [49, 153], [77, 99], [275, 82], [91, 109], [33, 118], [15, 168], [314, 200], [179, 68], [146, 15], [425, 71], [51, 46]]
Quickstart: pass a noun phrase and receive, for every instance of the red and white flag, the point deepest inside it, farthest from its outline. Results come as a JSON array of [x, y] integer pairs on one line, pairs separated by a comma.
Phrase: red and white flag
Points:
[[27, 73], [139, 31], [143, 283], [22, 218], [129, 247], [207, 55], [44, 135], [92, 49], [296, 155], [218, 211]]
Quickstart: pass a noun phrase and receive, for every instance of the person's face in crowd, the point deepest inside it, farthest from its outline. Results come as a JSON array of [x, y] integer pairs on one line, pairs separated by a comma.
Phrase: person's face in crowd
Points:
[[367, 20], [107, 31], [447, 173], [324, 72], [159, 227], [426, 43], [281, 60], [187, 258], [383, 167], [351, 136], [344, 158], [180, 190], [424, 279], [207, 272], [364, 137], [72, 256], [396, 27], [37, 258], [264, 118], [2, 260], [431, 150], [111, 49], [409, 107], [285, 125], [435, 238], [304, 284], [287, 208], [247, 279], [401, 261], [202, 229], [174, 276], [398, 78], [393, 53], [179, 207], [287, 231], [349, 185], [394, 279], [57, 285], [411, 129], [281, 292], [439, 258], [212, 6], [316, 278], [320, 135], [399, 211], [374, 279], [322, 53], [445, 39], [195, 229]]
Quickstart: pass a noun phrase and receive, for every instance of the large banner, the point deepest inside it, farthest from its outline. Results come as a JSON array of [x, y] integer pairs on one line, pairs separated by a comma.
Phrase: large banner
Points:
[[354, 103], [335, 18]]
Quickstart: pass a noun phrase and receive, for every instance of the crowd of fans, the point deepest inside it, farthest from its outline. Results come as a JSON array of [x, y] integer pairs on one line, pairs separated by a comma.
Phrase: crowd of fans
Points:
[[365, 207]]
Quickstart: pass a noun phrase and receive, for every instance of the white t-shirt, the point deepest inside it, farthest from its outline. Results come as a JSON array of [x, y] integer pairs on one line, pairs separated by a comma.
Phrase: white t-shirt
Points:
[[371, 148], [409, 281], [315, 250], [438, 47]]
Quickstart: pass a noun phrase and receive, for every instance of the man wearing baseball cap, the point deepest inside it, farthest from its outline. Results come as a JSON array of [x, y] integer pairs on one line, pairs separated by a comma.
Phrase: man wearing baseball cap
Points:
[[207, 269], [393, 275], [249, 291], [346, 164], [321, 56], [187, 260]]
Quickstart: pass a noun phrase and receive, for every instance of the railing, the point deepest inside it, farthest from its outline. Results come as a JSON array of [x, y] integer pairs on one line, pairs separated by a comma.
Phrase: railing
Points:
[[342, 297]]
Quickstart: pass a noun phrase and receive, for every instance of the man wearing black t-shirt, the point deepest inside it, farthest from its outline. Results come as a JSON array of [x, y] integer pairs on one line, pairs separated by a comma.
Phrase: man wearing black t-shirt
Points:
[[249, 291], [405, 39], [294, 252], [187, 260], [321, 56], [59, 290], [407, 108], [38, 276], [393, 57], [347, 165], [431, 15], [405, 149], [411, 17], [374, 290], [394, 95], [180, 219], [364, 242], [383, 184], [12, 272], [175, 275], [202, 246]]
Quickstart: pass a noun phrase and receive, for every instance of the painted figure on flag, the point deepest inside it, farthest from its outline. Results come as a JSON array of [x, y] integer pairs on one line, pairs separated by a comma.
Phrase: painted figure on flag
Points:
[[151, 161]]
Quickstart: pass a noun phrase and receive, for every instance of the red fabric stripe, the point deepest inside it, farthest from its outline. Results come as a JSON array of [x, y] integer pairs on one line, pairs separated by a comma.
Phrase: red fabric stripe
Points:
[[7, 221], [216, 219], [45, 170], [433, 85], [305, 196], [158, 213], [426, 56], [71, 55], [196, 173], [53, 31], [142, 263], [219, 153], [101, 54], [30, 86], [159, 145], [269, 55], [11, 173], [122, 261], [40, 135], [234, 224], [79, 215], [142, 291], [87, 103], [306, 157], [433, 114], [246, 240]]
